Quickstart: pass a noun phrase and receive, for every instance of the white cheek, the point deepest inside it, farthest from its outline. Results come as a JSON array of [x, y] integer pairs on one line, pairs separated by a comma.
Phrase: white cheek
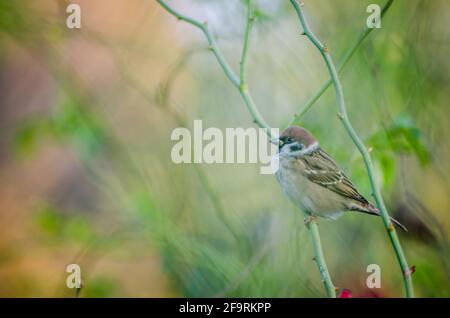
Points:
[[284, 150]]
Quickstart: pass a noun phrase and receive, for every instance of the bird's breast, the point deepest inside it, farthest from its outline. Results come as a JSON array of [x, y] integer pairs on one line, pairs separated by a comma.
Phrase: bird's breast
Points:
[[310, 197], [292, 181]]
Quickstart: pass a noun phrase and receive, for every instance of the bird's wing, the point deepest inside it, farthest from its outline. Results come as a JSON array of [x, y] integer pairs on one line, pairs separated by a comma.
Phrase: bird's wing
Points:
[[321, 169]]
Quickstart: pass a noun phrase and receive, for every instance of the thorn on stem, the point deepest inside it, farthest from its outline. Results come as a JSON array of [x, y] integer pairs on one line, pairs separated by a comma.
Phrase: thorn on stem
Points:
[[410, 271], [210, 47], [309, 219], [391, 227], [325, 49], [341, 117], [369, 150], [205, 23]]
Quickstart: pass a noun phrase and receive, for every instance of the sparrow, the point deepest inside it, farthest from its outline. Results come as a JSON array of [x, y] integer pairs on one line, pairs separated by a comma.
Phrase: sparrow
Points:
[[313, 180]]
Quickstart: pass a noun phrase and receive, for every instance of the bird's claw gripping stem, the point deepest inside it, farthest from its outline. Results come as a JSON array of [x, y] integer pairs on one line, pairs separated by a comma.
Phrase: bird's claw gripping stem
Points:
[[309, 219]]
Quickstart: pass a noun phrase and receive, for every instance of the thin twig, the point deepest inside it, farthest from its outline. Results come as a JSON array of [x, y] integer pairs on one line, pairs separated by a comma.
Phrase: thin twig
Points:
[[320, 259], [211, 41], [257, 118], [406, 271], [342, 63], [248, 30]]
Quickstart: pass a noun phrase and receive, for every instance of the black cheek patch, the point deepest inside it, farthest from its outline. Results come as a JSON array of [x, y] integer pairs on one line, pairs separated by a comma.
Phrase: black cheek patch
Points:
[[296, 147]]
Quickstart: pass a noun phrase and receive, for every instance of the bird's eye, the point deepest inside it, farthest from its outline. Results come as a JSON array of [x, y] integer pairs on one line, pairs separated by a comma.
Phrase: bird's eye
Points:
[[288, 140]]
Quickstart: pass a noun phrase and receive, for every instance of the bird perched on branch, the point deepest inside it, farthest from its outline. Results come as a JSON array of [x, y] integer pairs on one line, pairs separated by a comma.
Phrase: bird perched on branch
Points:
[[313, 180]]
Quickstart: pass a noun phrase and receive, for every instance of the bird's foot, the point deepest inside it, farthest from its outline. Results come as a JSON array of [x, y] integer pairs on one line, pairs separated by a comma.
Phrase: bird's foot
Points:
[[309, 219]]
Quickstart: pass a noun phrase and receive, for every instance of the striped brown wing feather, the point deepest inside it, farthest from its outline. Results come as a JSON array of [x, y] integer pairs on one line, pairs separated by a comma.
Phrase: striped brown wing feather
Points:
[[322, 170]]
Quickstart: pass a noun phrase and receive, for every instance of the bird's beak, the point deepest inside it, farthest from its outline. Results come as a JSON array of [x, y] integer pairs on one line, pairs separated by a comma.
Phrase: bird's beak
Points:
[[276, 141]]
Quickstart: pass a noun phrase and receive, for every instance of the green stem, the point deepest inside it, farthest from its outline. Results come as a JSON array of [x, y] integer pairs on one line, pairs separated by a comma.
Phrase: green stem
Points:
[[236, 81], [248, 30], [211, 41], [347, 56], [257, 118], [406, 272], [320, 259], [243, 87]]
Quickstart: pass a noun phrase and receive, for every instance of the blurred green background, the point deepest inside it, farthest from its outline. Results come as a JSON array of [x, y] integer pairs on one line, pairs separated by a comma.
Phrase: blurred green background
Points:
[[86, 116]]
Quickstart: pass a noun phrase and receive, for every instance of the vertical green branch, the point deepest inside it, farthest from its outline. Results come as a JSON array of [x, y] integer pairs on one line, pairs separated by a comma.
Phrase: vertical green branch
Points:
[[248, 30], [406, 272], [211, 41], [320, 259], [243, 87], [312, 222]]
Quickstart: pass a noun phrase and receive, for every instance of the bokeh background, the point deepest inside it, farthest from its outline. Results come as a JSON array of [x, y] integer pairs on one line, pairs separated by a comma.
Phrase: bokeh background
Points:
[[86, 176]]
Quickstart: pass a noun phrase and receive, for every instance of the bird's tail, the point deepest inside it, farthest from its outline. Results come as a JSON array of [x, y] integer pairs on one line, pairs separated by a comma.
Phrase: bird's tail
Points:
[[372, 210]]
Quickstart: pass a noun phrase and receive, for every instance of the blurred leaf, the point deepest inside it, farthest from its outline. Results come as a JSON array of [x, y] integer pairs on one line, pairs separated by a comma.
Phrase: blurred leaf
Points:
[[26, 138], [57, 225], [78, 229], [143, 204], [261, 15], [70, 122], [386, 162], [403, 137], [13, 20], [73, 122], [414, 136], [49, 220]]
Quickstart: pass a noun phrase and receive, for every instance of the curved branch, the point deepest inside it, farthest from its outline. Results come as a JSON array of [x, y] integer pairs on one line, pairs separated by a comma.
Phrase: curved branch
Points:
[[406, 271], [347, 56], [211, 41], [245, 94]]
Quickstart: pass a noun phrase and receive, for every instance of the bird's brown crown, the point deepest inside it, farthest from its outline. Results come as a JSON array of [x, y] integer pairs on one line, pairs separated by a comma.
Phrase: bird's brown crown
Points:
[[299, 134]]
